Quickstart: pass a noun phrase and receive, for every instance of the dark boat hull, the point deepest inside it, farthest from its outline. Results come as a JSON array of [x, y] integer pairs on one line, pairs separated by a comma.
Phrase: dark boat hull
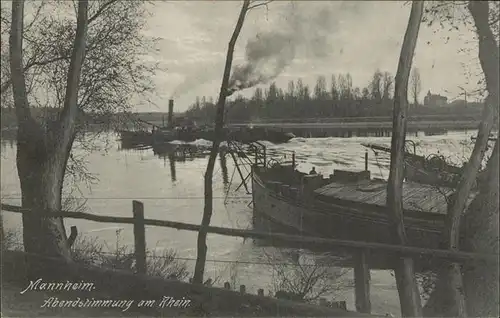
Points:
[[341, 222], [135, 138], [165, 136], [250, 135]]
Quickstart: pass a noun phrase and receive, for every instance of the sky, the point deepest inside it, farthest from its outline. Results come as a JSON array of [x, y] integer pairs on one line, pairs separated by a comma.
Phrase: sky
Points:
[[332, 37]]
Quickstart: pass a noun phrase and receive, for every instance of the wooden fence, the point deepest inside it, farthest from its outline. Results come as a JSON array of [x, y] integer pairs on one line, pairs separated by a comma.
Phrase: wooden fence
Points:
[[358, 248]]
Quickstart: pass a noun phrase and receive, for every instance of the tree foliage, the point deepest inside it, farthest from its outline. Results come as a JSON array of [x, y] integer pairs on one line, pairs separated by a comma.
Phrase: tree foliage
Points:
[[455, 17], [113, 75]]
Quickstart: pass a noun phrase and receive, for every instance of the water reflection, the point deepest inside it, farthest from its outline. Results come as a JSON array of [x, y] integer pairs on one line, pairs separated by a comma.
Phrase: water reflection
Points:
[[8, 143], [8, 138], [223, 167], [181, 153], [171, 160]]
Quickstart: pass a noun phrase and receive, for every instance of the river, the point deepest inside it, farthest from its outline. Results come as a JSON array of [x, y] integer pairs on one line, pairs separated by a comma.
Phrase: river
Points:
[[174, 191]]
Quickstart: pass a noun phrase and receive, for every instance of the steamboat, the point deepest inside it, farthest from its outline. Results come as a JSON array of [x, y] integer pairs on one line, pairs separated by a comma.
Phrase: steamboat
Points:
[[184, 129]]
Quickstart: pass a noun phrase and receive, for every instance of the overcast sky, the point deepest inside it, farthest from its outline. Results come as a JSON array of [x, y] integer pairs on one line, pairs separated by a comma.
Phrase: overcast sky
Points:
[[340, 36]]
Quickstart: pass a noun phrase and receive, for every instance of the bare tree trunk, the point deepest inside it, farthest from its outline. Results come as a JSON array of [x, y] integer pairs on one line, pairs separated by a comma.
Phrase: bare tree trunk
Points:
[[415, 97], [482, 280], [42, 152], [218, 135], [449, 296], [409, 296], [2, 234]]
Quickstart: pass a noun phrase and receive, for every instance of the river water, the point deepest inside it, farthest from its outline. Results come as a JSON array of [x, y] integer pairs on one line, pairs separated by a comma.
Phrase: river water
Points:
[[173, 190]]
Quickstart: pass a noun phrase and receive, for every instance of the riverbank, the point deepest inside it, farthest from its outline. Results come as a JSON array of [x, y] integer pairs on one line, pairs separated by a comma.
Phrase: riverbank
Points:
[[134, 293]]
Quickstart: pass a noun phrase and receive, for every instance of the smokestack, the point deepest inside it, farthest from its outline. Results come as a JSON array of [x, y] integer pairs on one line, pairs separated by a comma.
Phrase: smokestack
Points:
[[170, 112]]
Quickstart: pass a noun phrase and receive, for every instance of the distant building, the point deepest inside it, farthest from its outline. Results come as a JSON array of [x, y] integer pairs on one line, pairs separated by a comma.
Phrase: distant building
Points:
[[432, 100]]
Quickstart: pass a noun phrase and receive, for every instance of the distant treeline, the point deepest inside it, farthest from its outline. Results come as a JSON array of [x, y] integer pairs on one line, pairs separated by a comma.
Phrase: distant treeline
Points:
[[337, 100], [8, 117]]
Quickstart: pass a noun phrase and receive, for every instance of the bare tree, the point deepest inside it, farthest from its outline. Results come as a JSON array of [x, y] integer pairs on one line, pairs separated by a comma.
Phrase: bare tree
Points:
[[320, 92], [304, 281], [333, 90], [387, 81], [218, 137], [403, 267], [415, 85], [452, 297], [85, 70], [375, 85], [42, 155], [344, 86], [481, 282]]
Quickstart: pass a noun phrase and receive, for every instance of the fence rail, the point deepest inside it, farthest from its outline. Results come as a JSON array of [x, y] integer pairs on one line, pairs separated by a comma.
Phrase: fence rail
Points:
[[358, 249], [354, 245]]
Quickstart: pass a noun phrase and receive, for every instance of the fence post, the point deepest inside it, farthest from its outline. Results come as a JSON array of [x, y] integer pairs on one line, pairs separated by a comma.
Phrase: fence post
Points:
[[362, 283], [139, 237], [293, 160], [72, 236], [339, 304], [366, 160], [323, 302]]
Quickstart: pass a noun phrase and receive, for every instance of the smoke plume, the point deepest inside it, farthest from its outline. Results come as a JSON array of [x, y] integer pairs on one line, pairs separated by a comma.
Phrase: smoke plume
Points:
[[269, 53], [197, 77]]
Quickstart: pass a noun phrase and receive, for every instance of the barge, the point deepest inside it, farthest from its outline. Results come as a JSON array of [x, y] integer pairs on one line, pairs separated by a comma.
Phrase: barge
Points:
[[346, 205], [430, 170]]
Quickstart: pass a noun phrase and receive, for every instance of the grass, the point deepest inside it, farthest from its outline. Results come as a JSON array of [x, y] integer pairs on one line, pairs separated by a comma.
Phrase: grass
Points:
[[89, 251]]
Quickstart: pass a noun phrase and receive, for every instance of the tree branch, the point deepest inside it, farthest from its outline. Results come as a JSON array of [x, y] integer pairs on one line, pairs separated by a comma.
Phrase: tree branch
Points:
[[23, 113], [261, 4], [218, 131], [101, 10], [29, 65], [403, 267], [70, 111], [35, 17], [488, 56]]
